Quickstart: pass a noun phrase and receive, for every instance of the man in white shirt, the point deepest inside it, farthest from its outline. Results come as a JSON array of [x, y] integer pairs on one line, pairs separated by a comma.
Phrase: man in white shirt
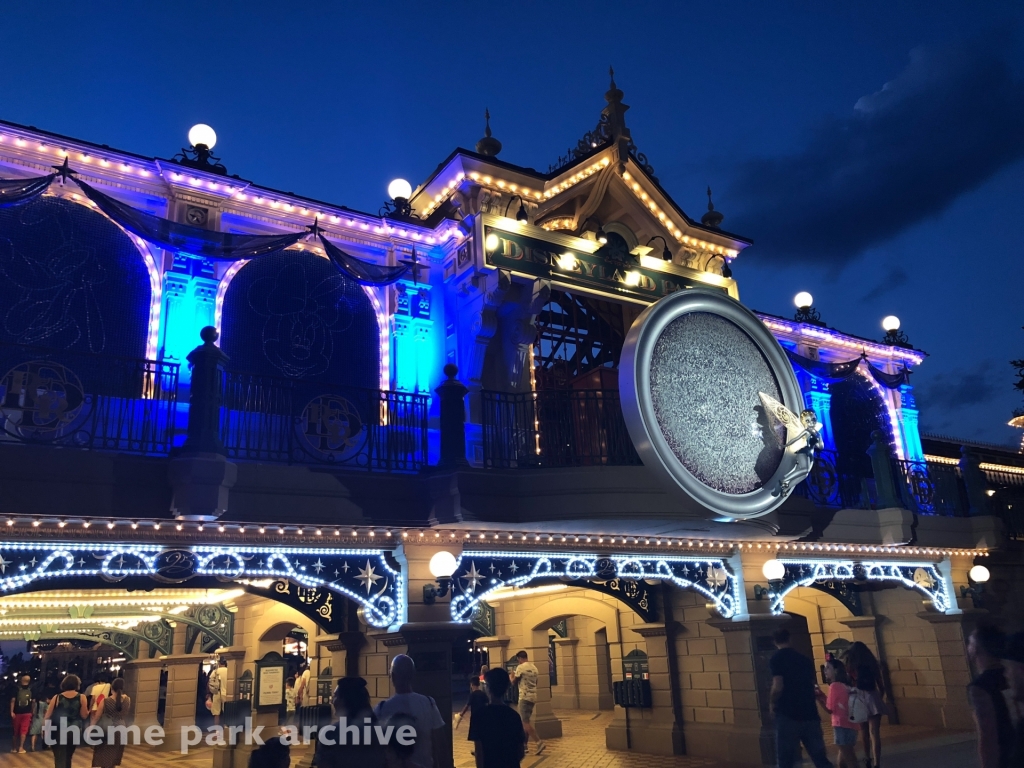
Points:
[[216, 688], [420, 708], [526, 676]]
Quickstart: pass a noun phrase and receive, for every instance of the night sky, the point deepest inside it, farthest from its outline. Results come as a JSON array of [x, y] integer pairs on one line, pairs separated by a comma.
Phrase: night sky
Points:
[[874, 151]]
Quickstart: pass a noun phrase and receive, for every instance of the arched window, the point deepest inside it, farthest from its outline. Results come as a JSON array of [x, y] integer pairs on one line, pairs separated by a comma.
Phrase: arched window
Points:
[[857, 410], [71, 279], [292, 315]]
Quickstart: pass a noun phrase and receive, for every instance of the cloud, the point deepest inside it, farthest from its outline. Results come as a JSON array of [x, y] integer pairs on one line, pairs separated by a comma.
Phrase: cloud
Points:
[[895, 278], [952, 390], [944, 125]]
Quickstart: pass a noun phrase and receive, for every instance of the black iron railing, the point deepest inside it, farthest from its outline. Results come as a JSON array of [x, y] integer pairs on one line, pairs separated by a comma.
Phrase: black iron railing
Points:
[[555, 428], [827, 486], [85, 400], [932, 488], [1006, 499], [279, 420]]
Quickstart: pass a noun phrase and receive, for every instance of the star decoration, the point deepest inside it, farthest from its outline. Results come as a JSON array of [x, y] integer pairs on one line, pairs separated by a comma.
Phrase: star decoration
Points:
[[227, 562], [4, 564], [318, 566], [337, 573], [259, 563], [344, 566], [472, 578], [33, 561], [492, 567], [314, 228], [63, 171], [513, 567], [414, 266], [120, 562], [81, 562], [717, 577], [368, 577]]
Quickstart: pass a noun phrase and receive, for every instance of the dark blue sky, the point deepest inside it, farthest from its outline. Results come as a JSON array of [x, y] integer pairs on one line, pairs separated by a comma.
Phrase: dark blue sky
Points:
[[905, 200]]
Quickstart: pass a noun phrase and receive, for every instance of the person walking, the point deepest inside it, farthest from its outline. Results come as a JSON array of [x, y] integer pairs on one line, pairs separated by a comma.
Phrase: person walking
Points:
[[1013, 670], [477, 701], [866, 676], [302, 686], [21, 713], [794, 696], [498, 731], [422, 709], [113, 711], [483, 678], [526, 677], [986, 695], [70, 708], [351, 703], [837, 704], [38, 719]]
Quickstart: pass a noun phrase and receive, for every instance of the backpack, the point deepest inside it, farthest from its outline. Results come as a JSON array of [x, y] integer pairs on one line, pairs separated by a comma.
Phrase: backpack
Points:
[[24, 699], [214, 683], [859, 710]]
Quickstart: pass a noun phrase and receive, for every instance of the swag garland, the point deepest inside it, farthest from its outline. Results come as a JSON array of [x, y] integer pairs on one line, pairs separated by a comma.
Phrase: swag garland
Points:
[[835, 372], [185, 238]]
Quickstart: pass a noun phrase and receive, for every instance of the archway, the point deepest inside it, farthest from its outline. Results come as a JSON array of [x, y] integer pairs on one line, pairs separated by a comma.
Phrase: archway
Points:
[[857, 411]]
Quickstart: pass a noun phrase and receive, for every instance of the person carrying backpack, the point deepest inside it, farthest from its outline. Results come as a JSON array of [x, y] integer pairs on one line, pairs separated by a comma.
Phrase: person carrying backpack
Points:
[[70, 708], [21, 713]]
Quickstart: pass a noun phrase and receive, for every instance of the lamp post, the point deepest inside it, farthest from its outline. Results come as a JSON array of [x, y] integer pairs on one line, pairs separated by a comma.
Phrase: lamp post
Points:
[[666, 254], [978, 576], [893, 335], [805, 311], [199, 155], [442, 566], [399, 190]]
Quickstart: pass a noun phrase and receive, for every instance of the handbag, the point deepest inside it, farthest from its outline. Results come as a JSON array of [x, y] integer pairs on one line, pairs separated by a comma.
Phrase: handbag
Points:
[[859, 709]]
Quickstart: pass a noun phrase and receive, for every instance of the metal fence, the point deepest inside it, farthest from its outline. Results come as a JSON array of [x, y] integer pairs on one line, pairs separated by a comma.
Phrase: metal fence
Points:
[[280, 420], [555, 428], [84, 400], [932, 488]]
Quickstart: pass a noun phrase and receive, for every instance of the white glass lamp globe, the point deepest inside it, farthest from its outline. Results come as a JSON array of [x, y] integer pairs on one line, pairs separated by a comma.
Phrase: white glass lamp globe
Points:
[[774, 570], [890, 323], [202, 134], [803, 300], [400, 188], [442, 565], [978, 574], [491, 242]]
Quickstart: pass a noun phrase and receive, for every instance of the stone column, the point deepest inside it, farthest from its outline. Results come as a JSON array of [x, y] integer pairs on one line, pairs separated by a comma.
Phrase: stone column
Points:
[[568, 672], [430, 646], [180, 710], [658, 730], [954, 674], [142, 684]]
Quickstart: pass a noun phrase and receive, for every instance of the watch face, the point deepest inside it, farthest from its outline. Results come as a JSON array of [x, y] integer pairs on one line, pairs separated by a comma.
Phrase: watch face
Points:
[[693, 371], [195, 215]]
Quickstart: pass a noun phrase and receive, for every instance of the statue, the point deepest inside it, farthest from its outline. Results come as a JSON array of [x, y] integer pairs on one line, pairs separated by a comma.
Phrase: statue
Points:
[[804, 441]]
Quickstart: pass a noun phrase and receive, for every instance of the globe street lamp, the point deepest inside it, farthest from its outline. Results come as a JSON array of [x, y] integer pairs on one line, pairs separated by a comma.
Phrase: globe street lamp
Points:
[[442, 566], [805, 311], [893, 334]]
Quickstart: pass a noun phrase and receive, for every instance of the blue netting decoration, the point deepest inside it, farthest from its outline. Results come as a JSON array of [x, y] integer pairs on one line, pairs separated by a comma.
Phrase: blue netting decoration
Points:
[[70, 279], [292, 315]]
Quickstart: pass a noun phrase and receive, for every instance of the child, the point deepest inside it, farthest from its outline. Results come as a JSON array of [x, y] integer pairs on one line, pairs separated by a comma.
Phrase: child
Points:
[[289, 700], [38, 718], [477, 701], [837, 703]]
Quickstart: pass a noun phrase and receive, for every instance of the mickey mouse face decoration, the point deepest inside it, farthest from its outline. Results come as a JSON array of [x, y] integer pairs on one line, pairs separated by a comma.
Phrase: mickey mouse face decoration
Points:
[[709, 399]]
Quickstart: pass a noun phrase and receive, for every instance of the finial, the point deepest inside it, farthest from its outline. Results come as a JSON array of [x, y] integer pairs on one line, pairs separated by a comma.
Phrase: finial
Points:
[[712, 218], [488, 146], [611, 72]]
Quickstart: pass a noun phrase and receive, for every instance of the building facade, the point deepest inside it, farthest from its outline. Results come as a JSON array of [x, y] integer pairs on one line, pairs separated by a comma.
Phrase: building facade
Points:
[[237, 421]]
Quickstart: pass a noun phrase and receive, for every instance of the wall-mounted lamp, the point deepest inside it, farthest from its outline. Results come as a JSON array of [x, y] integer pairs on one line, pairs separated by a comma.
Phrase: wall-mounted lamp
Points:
[[775, 572], [978, 576], [567, 262], [491, 242], [666, 254], [521, 216], [442, 566]]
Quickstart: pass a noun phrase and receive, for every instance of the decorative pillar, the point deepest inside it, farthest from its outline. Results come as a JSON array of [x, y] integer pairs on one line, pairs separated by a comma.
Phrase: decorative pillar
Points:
[[974, 479], [142, 684], [658, 730], [201, 476], [180, 708], [881, 465], [951, 633], [452, 394], [908, 424], [430, 646]]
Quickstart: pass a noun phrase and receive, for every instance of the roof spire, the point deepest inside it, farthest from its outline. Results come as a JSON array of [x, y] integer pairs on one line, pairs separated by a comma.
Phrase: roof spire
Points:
[[488, 146], [712, 218], [615, 112]]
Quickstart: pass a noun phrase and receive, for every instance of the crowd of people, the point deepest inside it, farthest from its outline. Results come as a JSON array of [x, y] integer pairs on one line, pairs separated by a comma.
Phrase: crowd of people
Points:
[[103, 704], [855, 701]]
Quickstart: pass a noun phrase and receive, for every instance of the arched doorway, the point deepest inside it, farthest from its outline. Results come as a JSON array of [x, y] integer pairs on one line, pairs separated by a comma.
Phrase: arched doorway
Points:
[[857, 411]]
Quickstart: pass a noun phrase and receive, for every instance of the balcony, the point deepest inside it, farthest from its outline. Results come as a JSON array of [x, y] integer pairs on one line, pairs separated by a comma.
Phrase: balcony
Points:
[[555, 428]]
